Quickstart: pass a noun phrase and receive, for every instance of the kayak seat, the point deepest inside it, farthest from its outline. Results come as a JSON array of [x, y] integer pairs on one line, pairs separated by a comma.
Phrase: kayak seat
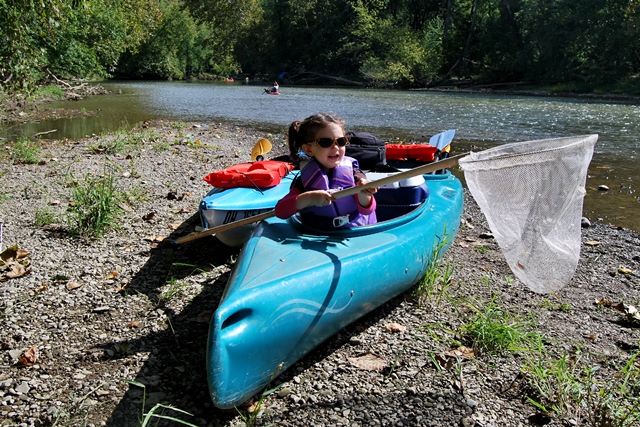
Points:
[[398, 198]]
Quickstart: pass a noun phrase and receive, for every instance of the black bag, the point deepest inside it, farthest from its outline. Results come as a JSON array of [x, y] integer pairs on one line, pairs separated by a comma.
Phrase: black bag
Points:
[[367, 149]]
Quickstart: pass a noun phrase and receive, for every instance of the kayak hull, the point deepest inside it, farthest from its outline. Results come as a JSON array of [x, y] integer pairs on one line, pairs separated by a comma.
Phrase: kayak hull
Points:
[[293, 287], [223, 206]]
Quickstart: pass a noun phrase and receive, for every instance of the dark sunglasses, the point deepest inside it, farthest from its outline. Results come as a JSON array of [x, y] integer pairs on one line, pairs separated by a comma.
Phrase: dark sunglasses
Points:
[[328, 142]]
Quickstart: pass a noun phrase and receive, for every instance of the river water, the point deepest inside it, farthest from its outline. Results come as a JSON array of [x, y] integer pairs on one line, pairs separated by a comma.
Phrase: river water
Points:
[[481, 121]]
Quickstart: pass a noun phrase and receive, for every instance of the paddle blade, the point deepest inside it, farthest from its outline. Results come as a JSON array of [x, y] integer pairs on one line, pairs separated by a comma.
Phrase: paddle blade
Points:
[[531, 194], [262, 147], [442, 139]]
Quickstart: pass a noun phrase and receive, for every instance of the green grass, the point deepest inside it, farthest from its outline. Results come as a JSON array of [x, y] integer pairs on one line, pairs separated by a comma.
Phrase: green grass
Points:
[[95, 206], [26, 151], [49, 92], [159, 411], [44, 216], [123, 140], [571, 387], [554, 306], [494, 330], [437, 278]]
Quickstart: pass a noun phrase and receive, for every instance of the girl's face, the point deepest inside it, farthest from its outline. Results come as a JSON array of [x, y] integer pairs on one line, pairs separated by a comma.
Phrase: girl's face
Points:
[[330, 157]]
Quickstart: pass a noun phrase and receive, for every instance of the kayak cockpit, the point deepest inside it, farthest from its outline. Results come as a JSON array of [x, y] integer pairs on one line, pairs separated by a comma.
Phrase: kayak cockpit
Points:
[[397, 203]]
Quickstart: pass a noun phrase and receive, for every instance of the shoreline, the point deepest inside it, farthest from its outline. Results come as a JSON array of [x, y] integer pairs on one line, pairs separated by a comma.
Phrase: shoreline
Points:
[[20, 110]]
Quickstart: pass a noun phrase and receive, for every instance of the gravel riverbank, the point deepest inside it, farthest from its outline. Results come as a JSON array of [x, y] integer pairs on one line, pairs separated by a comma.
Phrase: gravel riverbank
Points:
[[89, 314]]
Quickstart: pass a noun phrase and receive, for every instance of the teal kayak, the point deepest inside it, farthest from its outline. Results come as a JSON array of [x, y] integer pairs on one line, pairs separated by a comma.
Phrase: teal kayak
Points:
[[293, 287], [222, 206]]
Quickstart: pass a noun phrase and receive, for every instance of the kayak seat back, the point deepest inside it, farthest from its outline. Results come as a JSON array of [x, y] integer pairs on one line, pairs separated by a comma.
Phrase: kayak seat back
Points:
[[399, 198]]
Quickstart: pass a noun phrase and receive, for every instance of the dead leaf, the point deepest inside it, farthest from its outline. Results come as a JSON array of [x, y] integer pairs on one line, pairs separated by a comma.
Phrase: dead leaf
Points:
[[462, 352], [29, 357], [112, 275], [133, 324], [21, 253], [444, 362], [149, 216], [174, 225], [592, 243], [182, 210], [121, 287], [624, 270], [73, 285], [395, 327], [629, 310], [368, 362], [125, 207], [15, 270]]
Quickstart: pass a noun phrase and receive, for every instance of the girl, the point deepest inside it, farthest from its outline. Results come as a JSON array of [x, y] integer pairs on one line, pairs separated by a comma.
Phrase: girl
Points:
[[321, 138]]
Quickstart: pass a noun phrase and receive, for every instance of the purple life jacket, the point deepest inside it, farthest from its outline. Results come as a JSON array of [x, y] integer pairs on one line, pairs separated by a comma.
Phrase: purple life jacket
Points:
[[342, 213]]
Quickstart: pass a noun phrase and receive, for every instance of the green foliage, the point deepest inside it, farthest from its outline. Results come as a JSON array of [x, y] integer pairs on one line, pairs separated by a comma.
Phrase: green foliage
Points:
[[437, 278], [493, 330], [26, 151], [155, 414], [98, 32], [573, 387], [49, 92], [95, 206], [406, 43], [44, 216]]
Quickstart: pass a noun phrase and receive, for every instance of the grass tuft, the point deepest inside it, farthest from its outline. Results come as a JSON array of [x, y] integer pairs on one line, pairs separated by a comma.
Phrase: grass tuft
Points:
[[26, 151], [95, 206], [492, 330]]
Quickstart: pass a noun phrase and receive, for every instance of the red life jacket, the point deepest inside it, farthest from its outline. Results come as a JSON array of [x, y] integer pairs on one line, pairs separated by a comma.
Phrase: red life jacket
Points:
[[418, 152], [263, 174]]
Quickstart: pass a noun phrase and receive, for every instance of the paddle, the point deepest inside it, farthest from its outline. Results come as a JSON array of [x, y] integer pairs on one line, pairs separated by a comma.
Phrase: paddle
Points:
[[262, 147], [420, 170], [442, 139]]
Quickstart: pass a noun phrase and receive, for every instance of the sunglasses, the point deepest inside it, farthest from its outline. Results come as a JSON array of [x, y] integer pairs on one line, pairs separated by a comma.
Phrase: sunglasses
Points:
[[328, 142]]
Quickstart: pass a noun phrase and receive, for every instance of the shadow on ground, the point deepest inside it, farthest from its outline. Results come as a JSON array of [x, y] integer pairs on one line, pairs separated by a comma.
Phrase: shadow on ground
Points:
[[175, 372]]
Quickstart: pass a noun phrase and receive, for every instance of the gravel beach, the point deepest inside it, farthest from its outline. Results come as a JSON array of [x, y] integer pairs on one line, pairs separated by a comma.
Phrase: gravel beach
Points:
[[99, 331]]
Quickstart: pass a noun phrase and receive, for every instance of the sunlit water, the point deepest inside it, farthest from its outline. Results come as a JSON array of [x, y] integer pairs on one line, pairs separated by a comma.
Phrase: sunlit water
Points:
[[481, 121]]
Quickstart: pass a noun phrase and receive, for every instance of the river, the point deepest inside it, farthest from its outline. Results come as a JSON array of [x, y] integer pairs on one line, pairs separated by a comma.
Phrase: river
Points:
[[481, 121]]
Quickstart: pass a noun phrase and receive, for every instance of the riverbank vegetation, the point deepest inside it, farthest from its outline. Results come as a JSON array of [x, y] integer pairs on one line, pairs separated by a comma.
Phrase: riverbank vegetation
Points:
[[563, 45]]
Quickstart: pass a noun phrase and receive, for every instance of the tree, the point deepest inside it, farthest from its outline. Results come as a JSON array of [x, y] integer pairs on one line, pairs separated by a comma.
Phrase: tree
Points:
[[25, 25]]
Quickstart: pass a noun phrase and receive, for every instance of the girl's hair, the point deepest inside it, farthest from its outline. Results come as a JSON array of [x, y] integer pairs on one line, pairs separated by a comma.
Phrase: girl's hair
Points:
[[302, 132]]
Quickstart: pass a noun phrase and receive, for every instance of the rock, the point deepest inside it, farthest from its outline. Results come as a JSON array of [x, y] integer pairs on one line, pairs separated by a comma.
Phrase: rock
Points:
[[585, 223], [23, 388]]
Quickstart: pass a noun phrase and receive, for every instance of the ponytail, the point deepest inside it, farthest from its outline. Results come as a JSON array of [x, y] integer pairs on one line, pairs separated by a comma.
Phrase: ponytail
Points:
[[303, 132]]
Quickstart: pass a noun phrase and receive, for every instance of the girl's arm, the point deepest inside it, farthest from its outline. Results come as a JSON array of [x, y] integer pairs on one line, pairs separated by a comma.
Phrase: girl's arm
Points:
[[365, 199], [297, 200], [286, 206]]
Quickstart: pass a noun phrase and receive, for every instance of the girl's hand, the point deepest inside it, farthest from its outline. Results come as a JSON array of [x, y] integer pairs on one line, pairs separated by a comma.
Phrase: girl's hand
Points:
[[314, 198], [368, 191], [365, 196]]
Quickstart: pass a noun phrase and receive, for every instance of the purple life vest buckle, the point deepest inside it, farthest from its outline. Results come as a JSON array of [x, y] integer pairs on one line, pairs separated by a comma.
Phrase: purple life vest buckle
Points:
[[340, 221]]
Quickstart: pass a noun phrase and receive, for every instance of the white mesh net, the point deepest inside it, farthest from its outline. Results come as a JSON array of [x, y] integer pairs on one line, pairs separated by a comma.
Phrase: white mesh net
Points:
[[531, 194]]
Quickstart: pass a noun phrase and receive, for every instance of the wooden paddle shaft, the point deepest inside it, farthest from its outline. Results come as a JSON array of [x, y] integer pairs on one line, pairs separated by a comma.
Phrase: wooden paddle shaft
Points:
[[224, 227], [420, 170]]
